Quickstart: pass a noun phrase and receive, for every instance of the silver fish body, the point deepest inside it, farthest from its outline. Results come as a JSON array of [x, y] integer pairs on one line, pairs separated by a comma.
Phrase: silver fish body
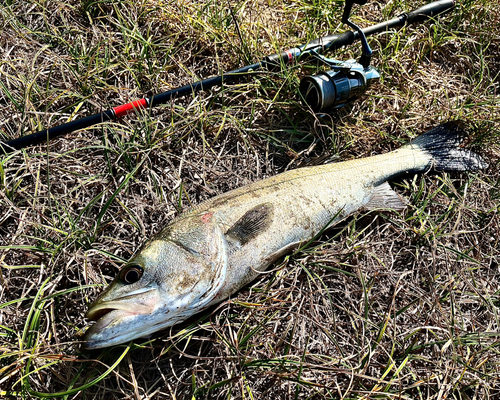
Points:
[[211, 251]]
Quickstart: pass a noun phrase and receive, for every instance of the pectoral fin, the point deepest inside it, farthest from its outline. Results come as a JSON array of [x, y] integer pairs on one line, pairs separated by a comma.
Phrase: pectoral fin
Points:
[[385, 198], [251, 224]]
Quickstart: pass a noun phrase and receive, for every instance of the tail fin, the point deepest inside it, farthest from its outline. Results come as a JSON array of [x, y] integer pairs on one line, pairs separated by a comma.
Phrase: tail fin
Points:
[[443, 144]]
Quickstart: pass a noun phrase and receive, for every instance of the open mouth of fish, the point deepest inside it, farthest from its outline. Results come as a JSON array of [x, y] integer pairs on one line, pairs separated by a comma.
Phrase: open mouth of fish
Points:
[[107, 312], [117, 319]]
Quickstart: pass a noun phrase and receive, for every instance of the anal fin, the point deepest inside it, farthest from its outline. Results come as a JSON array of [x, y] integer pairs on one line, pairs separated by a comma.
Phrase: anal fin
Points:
[[385, 198]]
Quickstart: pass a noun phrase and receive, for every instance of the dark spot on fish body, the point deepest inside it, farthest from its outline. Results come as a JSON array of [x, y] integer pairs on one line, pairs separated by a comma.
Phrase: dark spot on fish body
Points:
[[307, 222], [186, 280], [193, 273], [306, 199], [275, 188]]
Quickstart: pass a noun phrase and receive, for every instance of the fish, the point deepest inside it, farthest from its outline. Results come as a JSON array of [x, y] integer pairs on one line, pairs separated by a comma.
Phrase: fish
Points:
[[205, 255]]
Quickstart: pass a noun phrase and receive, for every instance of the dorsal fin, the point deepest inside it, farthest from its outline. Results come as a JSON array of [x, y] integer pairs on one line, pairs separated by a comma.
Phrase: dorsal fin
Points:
[[251, 224]]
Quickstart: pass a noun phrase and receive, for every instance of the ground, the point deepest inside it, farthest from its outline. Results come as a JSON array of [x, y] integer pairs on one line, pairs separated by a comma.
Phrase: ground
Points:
[[384, 305]]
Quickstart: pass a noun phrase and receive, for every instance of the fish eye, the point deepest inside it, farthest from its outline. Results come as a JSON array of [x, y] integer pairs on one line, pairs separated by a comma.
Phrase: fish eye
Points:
[[131, 274]]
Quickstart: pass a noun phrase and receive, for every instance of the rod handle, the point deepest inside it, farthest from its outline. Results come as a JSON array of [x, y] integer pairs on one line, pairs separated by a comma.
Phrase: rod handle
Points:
[[429, 10]]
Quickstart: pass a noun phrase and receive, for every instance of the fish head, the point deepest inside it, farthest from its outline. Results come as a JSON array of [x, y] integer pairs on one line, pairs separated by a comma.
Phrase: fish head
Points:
[[173, 277]]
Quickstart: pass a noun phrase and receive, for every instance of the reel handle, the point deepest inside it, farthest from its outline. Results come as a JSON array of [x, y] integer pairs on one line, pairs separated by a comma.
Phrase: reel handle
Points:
[[348, 8], [366, 55]]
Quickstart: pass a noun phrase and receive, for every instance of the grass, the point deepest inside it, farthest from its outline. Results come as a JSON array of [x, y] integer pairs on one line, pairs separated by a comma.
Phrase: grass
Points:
[[384, 305]]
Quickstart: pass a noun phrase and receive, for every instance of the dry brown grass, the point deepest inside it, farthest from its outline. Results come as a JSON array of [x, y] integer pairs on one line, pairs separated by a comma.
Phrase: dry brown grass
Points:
[[386, 305]]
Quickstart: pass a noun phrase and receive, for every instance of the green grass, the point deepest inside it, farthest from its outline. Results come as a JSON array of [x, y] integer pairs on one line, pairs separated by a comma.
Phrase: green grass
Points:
[[384, 305]]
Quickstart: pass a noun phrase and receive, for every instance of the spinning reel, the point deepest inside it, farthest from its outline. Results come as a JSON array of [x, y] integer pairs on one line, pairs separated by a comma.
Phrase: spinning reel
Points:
[[346, 81]]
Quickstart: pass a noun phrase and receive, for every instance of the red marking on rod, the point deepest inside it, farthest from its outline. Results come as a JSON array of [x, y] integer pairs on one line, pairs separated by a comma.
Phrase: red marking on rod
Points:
[[124, 109], [206, 217]]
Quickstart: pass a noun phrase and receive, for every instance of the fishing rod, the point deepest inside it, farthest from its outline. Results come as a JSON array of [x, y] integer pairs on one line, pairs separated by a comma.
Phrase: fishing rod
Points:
[[332, 89]]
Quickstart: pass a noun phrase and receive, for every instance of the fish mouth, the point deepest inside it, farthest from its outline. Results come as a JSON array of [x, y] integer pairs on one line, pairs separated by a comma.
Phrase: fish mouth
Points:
[[99, 311], [117, 320]]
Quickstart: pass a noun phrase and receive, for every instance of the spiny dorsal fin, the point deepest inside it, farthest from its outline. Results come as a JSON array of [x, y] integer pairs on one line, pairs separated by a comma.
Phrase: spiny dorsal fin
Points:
[[385, 198], [251, 224]]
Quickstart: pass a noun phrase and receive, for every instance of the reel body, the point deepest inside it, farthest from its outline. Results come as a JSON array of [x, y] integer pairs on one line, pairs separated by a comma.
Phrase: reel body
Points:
[[347, 80], [337, 87]]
